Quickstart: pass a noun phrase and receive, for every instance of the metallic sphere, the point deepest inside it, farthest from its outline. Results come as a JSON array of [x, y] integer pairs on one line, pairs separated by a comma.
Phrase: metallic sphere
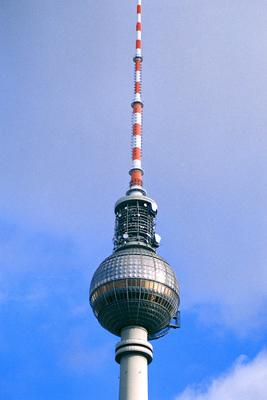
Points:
[[134, 286]]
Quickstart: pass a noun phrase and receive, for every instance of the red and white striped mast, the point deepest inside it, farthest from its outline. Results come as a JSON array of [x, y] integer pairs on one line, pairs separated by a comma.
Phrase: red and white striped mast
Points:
[[136, 171]]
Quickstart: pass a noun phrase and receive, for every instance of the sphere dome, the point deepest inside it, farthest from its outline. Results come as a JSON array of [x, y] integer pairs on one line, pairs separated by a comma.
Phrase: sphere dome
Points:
[[134, 286]]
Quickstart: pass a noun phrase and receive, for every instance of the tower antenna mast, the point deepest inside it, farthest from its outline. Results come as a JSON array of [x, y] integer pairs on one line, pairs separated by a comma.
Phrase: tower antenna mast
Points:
[[136, 171]]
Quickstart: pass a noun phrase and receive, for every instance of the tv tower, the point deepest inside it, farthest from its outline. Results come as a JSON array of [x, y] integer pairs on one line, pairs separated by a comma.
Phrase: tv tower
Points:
[[134, 293]]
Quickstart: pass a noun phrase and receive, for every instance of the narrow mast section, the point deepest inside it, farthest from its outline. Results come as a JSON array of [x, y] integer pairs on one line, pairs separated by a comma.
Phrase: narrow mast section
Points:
[[136, 171]]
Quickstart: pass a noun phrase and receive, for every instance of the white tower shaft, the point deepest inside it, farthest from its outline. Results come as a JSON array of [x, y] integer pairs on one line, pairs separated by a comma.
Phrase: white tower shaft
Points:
[[134, 353]]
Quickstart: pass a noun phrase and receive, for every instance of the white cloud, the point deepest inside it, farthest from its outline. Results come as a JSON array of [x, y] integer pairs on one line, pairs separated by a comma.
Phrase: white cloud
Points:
[[83, 355], [245, 381]]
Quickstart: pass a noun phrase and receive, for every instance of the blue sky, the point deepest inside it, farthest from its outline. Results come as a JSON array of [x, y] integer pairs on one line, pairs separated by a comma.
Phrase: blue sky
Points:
[[67, 84]]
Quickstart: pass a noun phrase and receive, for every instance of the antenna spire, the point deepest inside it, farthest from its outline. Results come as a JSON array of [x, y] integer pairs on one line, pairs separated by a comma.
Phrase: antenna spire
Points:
[[136, 171]]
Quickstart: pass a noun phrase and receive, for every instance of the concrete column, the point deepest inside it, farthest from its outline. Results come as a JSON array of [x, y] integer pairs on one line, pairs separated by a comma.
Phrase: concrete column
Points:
[[134, 353]]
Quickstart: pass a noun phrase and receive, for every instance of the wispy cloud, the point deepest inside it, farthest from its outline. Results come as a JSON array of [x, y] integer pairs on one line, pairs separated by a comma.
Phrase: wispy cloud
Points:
[[83, 355], [246, 380]]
